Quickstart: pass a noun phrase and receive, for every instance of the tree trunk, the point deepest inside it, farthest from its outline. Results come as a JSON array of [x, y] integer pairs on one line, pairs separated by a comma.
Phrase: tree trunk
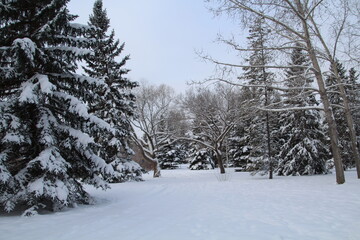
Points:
[[141, 154], [271, 167], [220, 161], [268, 138], [349, 120], [334, 139], [156, 169]]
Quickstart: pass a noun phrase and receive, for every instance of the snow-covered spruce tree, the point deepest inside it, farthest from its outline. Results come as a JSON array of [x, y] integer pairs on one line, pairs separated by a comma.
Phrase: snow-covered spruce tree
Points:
[[354, 99], [336, 101], [203, 160], [260, 127], [304, 147], [117, 102], [239, 150], [171, 156], [166, 153], [239, 147], [47, 150], [173, 152]]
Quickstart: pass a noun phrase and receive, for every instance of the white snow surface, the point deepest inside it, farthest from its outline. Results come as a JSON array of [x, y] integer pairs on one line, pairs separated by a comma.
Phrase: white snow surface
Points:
[[187, 205]]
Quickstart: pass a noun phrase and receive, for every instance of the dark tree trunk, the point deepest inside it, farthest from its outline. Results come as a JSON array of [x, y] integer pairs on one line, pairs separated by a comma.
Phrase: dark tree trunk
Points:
[[220, 161]]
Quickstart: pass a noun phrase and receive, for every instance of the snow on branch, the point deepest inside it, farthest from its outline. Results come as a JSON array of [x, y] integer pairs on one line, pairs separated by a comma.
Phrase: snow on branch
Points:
[[51, 160], [79, 26], [197, 141], [5, 175], [283, 89], [27, 92], [75, 39], [292, 109], [97, 181], [14, 138], [81, 138], [74, 50], [27, 46], [80, 78], [45, 85], [80, 108], [44, 187], [212, 60], [100, 165], [37, 82], [76, 106]]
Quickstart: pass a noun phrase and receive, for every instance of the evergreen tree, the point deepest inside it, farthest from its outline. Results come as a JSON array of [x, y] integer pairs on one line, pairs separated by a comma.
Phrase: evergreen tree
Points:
[[336, 101], [260, 126], [117, 102], [354, 99], [239, 150], [233, 151], [173, 152], [171, 156], [203, 160], [47, 147], [304, 148]]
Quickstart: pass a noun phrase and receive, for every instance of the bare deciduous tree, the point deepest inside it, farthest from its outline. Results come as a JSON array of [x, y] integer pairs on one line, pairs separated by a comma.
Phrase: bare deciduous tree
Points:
[[213, 113], [158, 123], [153, 107]]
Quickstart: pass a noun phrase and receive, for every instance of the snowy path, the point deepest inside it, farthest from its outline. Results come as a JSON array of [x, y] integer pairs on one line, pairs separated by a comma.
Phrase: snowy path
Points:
[[189, 205]]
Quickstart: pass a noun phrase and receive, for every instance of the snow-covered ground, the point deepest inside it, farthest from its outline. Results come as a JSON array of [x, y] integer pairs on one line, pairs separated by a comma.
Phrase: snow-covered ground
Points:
[[188, 205]]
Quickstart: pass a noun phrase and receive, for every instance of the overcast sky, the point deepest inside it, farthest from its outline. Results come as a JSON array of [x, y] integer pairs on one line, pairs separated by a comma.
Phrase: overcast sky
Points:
[[161, 37]]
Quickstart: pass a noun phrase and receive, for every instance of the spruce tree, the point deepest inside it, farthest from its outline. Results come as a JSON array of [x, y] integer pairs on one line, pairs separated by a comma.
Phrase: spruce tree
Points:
[[117, 102], [354, 99], [171, 156], [203, 160], [47, 148], [337, 103], [260, 126], [304, 148], [238, 146]]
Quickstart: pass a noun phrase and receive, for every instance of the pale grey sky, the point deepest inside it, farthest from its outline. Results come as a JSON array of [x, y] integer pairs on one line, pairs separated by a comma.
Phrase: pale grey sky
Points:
[[161, 37]]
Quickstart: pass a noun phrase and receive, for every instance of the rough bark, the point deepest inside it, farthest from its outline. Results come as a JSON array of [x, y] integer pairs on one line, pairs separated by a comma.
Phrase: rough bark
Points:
[[349, 119], [334, 139], [220, 162]]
